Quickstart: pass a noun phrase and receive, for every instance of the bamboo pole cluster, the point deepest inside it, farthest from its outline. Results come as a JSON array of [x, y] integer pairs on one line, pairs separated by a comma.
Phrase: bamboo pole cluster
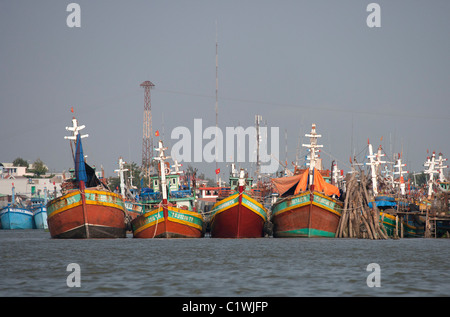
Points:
[[358, 220]]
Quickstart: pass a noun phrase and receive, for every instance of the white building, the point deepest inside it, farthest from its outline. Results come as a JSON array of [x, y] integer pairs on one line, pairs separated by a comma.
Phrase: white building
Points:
[[11, 175], [8, 170]]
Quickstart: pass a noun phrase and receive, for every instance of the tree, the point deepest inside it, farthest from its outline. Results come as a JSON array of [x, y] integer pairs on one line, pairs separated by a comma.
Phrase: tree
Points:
[[136, 171], [39, 168], [20, 162]]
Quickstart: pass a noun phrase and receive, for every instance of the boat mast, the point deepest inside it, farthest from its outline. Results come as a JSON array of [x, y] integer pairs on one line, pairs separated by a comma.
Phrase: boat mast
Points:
[[400, 173], [441, 167], [75, 129], [161, 158], [336, 175], [374, 162], [120, 172], [431, 164], [312, 146], [176, 167]]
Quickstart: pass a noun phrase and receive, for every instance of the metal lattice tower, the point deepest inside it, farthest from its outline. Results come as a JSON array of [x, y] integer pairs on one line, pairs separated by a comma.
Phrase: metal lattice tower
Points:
[[147, 136]]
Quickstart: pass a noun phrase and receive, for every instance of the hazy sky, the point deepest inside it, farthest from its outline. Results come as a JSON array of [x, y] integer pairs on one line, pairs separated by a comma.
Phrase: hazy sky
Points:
[[293, 62]]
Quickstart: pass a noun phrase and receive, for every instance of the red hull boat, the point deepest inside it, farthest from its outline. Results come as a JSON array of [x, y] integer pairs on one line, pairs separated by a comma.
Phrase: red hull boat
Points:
[[238, 216]]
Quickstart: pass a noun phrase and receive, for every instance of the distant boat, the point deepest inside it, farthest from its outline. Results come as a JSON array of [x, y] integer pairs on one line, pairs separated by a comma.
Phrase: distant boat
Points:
[[307, 205], [132, 206], [170, 213], [16, 216], [38, 205], [13, 217], [87, 209], [39, 210], [238, 214]]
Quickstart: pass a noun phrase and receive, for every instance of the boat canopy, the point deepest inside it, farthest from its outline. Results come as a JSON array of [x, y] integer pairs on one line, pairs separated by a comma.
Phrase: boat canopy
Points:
[[293, 185]]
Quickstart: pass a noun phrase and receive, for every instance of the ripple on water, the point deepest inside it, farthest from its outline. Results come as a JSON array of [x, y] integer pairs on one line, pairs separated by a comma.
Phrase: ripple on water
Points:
[[34, 265]]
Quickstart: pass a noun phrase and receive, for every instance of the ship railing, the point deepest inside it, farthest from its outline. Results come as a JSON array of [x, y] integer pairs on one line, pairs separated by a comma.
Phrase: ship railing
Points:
[[180, 193], [224, 192]]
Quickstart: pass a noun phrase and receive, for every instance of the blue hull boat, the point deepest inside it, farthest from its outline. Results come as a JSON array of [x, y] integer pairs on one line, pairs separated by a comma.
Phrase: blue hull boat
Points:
[[40, 217], [16, 218]]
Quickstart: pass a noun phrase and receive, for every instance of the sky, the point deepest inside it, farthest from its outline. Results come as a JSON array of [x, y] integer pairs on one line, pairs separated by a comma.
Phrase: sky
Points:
[[292, 62]]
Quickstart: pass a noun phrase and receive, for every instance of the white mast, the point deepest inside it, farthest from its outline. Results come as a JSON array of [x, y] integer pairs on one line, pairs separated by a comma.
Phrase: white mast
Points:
[[241, 181], [161, 158], [400, 173], [312, 146], [430, 171], [234, 171], [379, 155], [177, 168], [120, 172], [75, 128], [336, 175], [441, 167], [375, 163]]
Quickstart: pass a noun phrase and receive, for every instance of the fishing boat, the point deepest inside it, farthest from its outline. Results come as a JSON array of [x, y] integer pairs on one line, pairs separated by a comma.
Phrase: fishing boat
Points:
[[394, 199], [87, 208], [438, 190], [238, 213], [307, 206], [132, 206], [169, 209], [15, 215], [39, 208]]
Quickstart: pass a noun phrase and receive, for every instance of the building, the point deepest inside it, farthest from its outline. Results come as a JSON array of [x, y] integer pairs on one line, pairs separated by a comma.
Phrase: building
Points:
[[8, 170]]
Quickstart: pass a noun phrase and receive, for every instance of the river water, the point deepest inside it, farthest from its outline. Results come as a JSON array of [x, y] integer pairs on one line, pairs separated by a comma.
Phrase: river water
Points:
[[33, 264]]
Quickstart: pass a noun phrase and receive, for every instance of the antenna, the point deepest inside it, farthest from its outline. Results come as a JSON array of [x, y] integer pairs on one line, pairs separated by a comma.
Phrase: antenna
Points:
[[217, 100], [258, 119]]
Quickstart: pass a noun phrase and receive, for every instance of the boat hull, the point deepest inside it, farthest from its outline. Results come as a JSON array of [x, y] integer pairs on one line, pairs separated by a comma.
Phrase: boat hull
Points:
[[101, 216], [16, 218], [413, 230], [168, 223], [40, 217], [307, 215], [133, 209], [389, 223], [238, 217]]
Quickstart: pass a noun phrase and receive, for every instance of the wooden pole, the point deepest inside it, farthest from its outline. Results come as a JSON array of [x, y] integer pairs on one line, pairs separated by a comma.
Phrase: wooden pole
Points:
[[396, 227], [427, 225], [401, 226]]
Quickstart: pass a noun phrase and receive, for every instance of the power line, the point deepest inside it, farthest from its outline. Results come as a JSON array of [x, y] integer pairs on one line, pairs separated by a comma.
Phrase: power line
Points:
[[315, 108]]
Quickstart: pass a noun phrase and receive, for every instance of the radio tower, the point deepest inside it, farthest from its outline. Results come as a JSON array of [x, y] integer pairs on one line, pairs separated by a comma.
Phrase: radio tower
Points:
[[147, 137]]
